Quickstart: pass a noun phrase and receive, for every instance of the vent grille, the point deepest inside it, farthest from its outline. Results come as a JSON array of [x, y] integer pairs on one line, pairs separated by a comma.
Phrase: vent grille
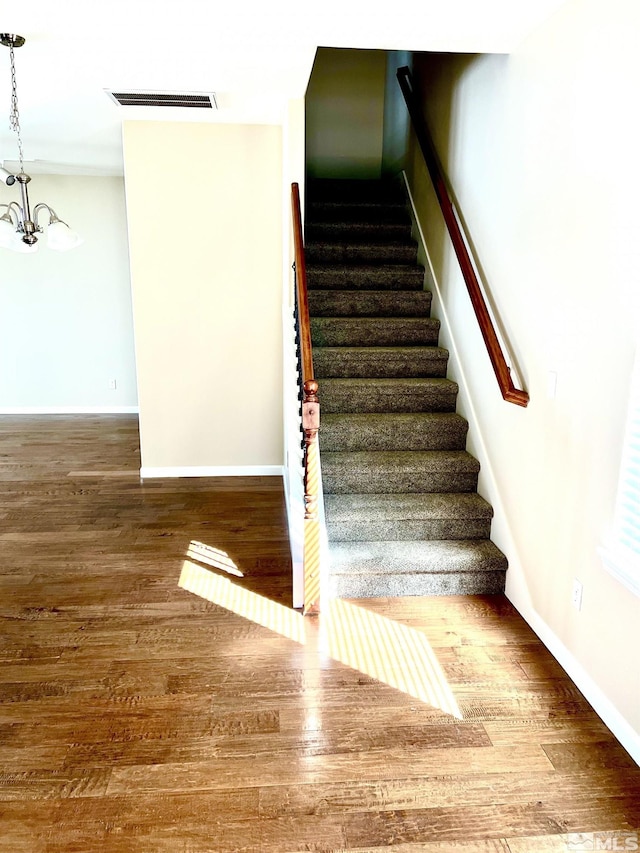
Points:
[[189, 100]]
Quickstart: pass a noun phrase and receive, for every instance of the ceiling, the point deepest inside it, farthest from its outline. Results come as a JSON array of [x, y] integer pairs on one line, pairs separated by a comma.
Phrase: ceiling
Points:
[[254, 56]]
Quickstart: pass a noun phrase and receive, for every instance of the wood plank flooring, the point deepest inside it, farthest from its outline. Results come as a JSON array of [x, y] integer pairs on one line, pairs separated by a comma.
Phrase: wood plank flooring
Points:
[[158, 694]]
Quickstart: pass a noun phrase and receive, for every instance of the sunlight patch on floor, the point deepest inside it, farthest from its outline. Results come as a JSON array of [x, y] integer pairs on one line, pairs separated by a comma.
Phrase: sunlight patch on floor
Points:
[[378, 647], [213, 557], [220, 590], [386, 650]]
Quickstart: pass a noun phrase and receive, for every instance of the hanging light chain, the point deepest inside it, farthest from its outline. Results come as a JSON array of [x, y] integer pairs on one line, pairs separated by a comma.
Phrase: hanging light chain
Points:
[[60, 237], [14, 115]]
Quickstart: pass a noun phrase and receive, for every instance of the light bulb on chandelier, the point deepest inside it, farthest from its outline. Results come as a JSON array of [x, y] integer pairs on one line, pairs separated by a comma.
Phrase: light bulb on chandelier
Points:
[[18, 228]]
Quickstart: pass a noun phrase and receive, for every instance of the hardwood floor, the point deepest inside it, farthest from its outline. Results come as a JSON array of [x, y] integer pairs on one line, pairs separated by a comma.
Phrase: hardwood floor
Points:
[[158, 694]]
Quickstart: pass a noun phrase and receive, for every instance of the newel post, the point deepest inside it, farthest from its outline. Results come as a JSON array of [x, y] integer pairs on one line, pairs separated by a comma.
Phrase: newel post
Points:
[[310, 426]]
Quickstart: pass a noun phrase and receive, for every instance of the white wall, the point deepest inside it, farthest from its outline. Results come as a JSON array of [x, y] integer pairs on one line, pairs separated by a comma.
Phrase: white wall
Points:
[[293, 171], [206, 271], [345, 113], [65, 318], [541, 150]]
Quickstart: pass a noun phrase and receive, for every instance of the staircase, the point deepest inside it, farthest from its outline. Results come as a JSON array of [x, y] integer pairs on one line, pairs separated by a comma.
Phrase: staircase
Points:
[[403, 515]]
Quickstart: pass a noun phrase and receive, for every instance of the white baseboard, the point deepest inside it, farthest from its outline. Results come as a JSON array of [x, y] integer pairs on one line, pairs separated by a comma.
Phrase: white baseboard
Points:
[[147, 473], [69, 410], [628, 737], [602, 705]]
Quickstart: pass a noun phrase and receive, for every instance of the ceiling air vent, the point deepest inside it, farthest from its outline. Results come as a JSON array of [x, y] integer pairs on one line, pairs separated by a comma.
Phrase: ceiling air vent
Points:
[[189, 100]]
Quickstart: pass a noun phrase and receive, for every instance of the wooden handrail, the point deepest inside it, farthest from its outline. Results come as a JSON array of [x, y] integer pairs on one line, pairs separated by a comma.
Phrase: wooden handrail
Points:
[[310, 418], [301, 286], [502, 371], [310, 403]]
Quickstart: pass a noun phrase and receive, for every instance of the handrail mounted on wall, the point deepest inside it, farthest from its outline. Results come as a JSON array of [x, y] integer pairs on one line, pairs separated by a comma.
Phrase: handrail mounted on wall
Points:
[[502, 371]]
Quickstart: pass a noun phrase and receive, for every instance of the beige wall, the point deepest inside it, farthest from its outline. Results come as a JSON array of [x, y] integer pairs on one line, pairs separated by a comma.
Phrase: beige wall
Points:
[[345, 113], [65, 318], [204, 205], [539, 148]]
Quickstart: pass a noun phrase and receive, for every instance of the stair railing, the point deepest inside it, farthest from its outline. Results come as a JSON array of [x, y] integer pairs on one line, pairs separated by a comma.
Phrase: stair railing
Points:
[[310, 415], [501, 369]]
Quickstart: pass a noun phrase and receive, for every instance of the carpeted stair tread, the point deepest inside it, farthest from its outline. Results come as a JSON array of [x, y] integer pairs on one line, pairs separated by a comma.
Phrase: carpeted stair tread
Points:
[[382, 362], [369, 303], [402, 471], [432, 556], [398, 431], [436, 567], [396, 252], [374, 331], [362, 517], [364, 277], [388, 395]]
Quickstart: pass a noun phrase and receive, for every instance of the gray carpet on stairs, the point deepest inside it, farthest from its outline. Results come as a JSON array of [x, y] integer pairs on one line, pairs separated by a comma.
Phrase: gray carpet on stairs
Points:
[[403, 515]]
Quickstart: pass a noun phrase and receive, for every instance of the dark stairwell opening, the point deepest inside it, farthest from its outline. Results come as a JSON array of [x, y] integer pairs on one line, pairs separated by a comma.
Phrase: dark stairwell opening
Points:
[[402, 509]]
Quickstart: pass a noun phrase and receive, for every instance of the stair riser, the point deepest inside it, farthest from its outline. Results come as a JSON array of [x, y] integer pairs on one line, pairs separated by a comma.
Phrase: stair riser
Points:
[[346, 364], [444, 583], [357, 232], [349, 398], [372, 530], [361, 254], [366, 332], [403, 435], [365, 278], [356, 191], [438, 516], [369, 303], [325, 212]]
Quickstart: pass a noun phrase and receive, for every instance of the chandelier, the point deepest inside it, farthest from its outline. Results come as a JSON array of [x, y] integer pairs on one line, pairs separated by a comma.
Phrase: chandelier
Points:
[[19, 227]]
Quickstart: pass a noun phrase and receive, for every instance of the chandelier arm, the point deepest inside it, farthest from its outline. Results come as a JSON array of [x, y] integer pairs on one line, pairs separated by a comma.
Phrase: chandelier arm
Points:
[[53, 216], [11, 212], [36, 211]]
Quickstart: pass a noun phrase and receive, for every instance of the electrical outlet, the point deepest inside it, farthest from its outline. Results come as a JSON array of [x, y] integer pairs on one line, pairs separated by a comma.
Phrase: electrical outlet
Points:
[[112, 385], [576, 594]]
